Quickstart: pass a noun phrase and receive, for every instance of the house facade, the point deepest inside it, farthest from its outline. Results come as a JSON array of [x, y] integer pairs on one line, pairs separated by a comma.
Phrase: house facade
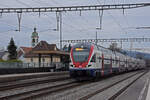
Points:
[[22, 51], [41, 54], [45, 55], [4, 55]]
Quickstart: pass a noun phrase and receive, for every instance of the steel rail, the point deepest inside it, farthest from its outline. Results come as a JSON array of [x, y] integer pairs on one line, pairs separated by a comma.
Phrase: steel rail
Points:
[[7, 79], [46, 91], [43, 91], [107, 87], [33, 82], [123, 89]]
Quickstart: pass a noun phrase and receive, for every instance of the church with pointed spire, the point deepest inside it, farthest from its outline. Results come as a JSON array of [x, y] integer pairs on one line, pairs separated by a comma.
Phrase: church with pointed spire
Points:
[[34, 38]]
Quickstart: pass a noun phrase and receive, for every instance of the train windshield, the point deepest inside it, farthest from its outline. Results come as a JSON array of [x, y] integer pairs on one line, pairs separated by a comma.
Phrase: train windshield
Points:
[[81, 52]]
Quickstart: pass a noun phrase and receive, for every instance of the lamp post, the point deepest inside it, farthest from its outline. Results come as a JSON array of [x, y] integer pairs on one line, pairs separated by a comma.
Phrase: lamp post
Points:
[[97, 28]]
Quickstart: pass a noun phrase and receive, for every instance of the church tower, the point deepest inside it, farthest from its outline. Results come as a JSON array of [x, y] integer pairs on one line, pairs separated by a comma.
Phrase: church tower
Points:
[[34, 38]]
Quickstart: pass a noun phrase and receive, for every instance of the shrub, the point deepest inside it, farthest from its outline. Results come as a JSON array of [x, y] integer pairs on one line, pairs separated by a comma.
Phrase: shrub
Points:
[[11, 61]]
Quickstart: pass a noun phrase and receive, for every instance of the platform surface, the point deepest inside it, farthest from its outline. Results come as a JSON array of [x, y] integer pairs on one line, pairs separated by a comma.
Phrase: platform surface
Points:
[[140, 90]]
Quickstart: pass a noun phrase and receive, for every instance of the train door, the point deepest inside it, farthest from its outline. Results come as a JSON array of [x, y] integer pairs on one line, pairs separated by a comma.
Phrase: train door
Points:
[[102, 62], [107, 64], [111, 65], [113, 62], [122, 63], [125, 63], [97, 60], [117, 64], [130, 64]]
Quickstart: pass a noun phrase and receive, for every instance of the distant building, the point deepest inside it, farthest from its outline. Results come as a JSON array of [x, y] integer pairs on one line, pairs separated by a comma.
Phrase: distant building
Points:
[[1, 55], [2, 49], [41, 53], [22, 51], [4, 55], [44, 53], [35, 38]]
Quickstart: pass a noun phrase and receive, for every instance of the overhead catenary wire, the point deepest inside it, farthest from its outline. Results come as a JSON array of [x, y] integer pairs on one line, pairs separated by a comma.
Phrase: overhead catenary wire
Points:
[[27, 5], [57, 16], [12, 24], [22, 3], [59, 26], [67, 13], [70, 25], [80, 14], [115, 20]]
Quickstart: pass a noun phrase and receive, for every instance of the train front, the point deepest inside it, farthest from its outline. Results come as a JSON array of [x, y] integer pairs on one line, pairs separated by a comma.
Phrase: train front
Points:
[[80, 60]]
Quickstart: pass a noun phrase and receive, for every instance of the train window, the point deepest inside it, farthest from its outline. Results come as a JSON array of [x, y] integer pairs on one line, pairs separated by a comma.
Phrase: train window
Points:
[[80, 56], [43, 59], [93, 58], [98, 48], [31, 59], [117, 61], [99, 59], [106, 59], [113, 61]]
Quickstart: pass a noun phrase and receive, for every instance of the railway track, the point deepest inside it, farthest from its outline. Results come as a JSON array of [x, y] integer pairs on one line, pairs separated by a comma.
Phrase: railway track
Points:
[[30, 82], [26, 95], [113, 97], [30, 94], [87, 89], [123, 89], [17, 77], [43, 91], [33, 94]]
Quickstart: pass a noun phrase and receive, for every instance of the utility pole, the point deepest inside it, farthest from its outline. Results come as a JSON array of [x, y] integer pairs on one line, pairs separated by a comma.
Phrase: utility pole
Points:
[[96, 38], [97, 28], [121, 44], [60, 31]]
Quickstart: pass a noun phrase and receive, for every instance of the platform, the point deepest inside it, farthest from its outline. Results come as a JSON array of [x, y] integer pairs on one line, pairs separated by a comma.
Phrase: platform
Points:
[[140, 90]]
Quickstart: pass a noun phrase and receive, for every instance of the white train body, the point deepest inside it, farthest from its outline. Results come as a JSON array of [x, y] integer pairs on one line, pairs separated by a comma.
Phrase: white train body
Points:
[[94, 61]]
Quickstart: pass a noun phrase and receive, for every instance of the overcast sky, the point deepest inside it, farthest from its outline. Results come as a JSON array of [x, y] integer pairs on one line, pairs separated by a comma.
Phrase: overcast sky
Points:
[[115, 24]]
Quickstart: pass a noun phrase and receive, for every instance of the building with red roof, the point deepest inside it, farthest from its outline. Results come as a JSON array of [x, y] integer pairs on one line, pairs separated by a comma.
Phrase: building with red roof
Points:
[[22, 51], [44, 53], [41, 53]]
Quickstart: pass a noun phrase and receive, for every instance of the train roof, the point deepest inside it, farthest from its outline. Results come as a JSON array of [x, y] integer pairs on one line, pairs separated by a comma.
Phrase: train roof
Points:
[[103, 49]]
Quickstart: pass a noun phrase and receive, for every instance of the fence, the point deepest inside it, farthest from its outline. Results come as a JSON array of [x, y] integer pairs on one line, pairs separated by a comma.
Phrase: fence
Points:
[[57, 66], [10, 68]]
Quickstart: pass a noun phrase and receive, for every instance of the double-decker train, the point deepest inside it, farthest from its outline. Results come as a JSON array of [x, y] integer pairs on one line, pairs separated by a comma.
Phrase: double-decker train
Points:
[[89, 60]]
